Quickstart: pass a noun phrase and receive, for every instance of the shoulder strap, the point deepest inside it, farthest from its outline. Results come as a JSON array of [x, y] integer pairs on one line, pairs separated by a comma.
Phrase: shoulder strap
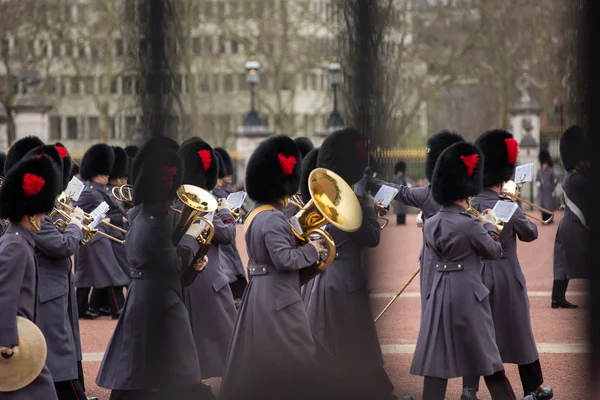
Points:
[[254, 213]]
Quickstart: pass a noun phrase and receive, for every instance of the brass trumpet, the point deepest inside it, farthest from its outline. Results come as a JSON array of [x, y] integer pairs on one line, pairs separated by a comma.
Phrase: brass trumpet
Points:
[[235, 212], [297, 200], [499, 224], [61, 205], [123, 193], [381, 212], [61, 225], [511, 189], [195, 201]]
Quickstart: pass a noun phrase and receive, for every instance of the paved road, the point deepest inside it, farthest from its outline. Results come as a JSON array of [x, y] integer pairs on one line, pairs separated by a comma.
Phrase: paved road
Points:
[[561, 334]]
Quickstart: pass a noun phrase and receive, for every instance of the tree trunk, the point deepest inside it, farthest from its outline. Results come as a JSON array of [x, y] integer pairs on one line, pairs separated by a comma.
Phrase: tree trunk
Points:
[[11, 129], [104, 125]]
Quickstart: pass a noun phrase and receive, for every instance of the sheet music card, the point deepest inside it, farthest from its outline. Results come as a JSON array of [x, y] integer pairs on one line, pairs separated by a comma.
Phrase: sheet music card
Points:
[[360, 188], [98, 214], [74, 189], [505, 210], [236, 200], [524, 173], [296, 225], [385, 195]]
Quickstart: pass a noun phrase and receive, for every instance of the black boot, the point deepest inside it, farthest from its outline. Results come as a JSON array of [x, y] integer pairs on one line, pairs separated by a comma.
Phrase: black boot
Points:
[[542, 393], [469, 393], [88, 315], [559, 289]]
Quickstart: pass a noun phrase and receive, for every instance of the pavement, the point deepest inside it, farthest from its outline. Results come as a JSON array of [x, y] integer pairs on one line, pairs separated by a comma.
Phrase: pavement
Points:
[[561, 334]]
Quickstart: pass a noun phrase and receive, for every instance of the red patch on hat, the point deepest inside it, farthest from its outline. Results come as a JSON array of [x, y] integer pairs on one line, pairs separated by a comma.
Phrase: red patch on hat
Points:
[[206, 158], [287, 163], [32, 184], [62, 151], [470, 162], [169, 176], [512, 150]]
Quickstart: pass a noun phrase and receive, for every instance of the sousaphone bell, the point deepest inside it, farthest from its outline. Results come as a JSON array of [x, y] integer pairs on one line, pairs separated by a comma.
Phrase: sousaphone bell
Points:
[[20, 368], [332, 202]]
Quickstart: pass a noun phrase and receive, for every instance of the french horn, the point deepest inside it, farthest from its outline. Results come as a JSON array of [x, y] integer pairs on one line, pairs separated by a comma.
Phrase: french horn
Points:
[[123, 193]]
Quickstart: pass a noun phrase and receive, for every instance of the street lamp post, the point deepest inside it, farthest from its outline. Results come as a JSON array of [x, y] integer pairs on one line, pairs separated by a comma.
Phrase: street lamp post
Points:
[[253, 78], [335, 79]]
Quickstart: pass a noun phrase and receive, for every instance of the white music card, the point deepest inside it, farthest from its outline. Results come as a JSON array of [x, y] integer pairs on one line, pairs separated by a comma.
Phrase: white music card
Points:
[[385, 195], [74, 189], [524, 173], [360, 188], [236, 200], [296, 225], [210, 216], [505, 210]]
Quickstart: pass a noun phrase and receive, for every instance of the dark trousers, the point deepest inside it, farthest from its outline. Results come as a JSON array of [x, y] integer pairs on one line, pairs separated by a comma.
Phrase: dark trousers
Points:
[[80, 373], [372, 384], [70, 390], [531, 378], [83, 295], [545, 216], [498, 385], [559, 289], [198, 392], [238, 287], [400, 219], [111, 298]]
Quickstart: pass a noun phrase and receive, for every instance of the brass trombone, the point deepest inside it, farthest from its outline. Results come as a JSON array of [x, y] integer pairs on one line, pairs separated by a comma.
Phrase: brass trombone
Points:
[[61, 225], [499, 224], [123, 193], [511, 189], [195, 201], [61, 205]]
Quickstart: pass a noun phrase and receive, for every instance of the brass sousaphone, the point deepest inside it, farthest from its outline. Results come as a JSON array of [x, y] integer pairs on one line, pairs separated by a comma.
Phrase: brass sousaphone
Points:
[[332, 202], [20, 368]]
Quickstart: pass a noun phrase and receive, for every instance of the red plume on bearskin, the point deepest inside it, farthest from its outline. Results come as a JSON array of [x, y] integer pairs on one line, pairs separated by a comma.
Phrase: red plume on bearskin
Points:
[[471, 163], [62, 151], [206, 158], [287, 163], [32, 185], [512, 150]]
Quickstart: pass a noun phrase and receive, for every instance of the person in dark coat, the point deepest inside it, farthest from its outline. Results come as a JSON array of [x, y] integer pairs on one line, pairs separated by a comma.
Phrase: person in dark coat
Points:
[[27, 193], [337, 300], [152, 354], [504, 277], [273, 353], [95, 263], [573, 235], [401, 180], [209, 299], [456, 337], [131, 153], [231, 261], [75, 172], [420, 197], [546, 182]]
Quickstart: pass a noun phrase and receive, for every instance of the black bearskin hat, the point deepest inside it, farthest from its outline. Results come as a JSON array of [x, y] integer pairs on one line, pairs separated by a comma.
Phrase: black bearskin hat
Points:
[[304, 145], [158, 178], [273, 170], [155, 144], [2, 161], [309, 163], [67, 163], [345, 153], [74, 170], [120, 167], [201, 166], [131, 151], [226, 160], [545, 158], [436, 144], [55, 156], [500, 151], [97, 160], [219, 160], [458, 173], [18, 150], [572, 147], [29, 188], [400, 167]]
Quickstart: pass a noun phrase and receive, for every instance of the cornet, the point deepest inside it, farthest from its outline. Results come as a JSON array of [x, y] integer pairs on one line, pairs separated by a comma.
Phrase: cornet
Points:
[[297, 200], [61, 205], [499, 224], [123, 193], [381, 212], [235, 212], [61, 225], [511, 189]]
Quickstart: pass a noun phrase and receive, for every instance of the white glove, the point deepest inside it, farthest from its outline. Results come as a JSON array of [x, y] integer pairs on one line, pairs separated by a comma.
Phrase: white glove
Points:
[[201, 264], [538, 184], [488, 217], [223, 204], [77, 222], [106, 220], [320, 246], [196, 230], [78, 213]]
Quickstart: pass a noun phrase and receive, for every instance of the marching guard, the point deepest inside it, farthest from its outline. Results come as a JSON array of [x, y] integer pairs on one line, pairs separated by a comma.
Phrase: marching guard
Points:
[[305, 145], [273, 354], [456, 336], [209, 299], [95, 263], [571, 249], [504, 278], [27, 193], [118, 209], [546, 182]]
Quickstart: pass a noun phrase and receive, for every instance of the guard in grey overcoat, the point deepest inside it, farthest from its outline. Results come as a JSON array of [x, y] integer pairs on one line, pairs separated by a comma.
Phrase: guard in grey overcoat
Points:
[[420, 197], [273, 353], [27, 193], [504, 278], [546, 182], [456, 337], [95, 263], [337, 300], [305, 145], [571, 246], [231, 262], [209, 299], [152, 354]]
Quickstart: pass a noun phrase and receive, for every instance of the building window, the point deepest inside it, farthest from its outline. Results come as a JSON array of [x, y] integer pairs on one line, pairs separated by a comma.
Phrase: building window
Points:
[[75, 85], [130, 125], [197, 45], [288, 81], [81, 48], [227, 83], [127, 84], [51, 85], [208, 11], [234, 47], [113, 128], [72, 128], [119, 48], [68, 45], [242, 84], [63, 86], [114, 85], [203, 83], [221, 11], [222, 46], [55, 128], [93, 128]]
